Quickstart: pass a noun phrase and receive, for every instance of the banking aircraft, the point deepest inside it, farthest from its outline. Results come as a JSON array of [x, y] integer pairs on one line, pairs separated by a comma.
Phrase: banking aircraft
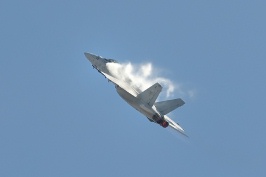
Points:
[[143, 101]]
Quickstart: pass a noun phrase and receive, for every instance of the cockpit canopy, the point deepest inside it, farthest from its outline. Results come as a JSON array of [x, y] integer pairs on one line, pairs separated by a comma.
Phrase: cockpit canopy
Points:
[[110, 60]]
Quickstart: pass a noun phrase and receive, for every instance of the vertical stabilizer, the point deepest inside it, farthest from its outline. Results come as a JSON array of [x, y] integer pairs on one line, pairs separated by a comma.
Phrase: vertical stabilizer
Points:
[[150, 95]]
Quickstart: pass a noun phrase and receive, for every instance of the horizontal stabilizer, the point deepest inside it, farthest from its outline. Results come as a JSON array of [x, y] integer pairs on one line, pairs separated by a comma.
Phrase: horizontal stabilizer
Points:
[[175, 126], [164, 107], [150, 95]]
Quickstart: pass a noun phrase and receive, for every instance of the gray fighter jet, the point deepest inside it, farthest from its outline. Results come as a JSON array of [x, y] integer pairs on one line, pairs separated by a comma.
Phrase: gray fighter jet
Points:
[[143, 101]]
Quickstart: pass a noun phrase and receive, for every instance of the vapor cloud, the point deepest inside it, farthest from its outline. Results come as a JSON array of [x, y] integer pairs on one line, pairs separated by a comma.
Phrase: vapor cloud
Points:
[[143, 76]]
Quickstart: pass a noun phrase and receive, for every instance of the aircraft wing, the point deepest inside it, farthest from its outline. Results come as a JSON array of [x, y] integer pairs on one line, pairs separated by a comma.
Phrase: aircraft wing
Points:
[[121, 84]]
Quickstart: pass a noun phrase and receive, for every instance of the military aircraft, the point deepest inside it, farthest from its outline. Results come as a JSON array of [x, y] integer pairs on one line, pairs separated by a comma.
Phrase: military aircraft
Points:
[[143, 101]]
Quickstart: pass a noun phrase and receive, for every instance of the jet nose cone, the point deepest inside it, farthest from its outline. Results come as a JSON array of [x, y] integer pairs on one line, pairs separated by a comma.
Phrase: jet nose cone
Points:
[[89, 56]]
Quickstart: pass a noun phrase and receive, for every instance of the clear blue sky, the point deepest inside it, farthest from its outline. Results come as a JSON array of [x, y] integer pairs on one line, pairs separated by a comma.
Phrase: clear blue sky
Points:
[[58, 117]]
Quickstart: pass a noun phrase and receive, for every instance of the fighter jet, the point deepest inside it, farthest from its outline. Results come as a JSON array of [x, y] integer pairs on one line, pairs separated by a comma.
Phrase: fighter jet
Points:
[[143, 101]]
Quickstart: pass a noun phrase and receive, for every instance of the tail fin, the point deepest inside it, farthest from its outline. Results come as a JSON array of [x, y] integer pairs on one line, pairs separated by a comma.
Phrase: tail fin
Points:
[[150, 95], [164, 107]]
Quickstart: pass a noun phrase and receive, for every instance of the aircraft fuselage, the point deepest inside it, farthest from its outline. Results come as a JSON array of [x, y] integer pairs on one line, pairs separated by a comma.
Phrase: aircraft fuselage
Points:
[[129, 95], [149, 112], [142, 101]]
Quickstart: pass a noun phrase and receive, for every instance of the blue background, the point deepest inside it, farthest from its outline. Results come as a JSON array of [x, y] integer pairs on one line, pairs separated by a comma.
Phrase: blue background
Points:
[[59, 117]]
